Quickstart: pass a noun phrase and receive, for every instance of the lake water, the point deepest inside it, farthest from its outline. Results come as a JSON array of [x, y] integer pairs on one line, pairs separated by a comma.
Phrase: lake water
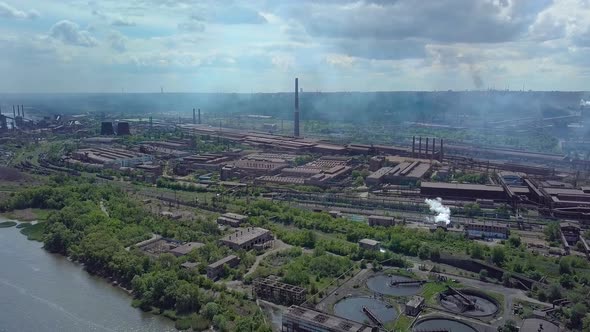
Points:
[[43, 292]]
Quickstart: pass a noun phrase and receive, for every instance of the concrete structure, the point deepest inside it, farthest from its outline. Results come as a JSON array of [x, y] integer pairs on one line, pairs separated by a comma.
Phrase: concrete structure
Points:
[[369, 244], [246, 238], [215, 270], [476, 229], [414, 306], [381, 221], [277, 292], [186, 248], [231, 219], [299, 319]]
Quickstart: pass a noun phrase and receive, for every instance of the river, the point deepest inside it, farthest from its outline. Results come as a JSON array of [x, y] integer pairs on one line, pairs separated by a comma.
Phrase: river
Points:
[[43, 292]]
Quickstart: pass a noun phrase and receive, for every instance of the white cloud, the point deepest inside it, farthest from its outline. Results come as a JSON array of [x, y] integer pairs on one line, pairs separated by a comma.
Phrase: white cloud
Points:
[[8, 11], [340, 60], [70, 33]]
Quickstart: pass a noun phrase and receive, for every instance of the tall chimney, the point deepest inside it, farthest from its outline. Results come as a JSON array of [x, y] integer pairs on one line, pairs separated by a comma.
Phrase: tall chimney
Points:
[[13, 112], [426, 147], [199, 116], [420, 147], [194, 117], [413, 146], [296, 120], [441, 150], [433, 148], [22, 110]]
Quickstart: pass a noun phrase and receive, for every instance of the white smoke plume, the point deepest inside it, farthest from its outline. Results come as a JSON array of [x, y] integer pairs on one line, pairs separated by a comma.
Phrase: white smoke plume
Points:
[[585, 102], [443, 213]]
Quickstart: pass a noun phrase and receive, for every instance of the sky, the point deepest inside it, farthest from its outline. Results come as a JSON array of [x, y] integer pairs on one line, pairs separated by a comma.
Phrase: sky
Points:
[[262, 45]]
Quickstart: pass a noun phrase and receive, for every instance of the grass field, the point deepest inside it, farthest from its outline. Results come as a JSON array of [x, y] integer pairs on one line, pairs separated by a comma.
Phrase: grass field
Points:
[[7, 224]]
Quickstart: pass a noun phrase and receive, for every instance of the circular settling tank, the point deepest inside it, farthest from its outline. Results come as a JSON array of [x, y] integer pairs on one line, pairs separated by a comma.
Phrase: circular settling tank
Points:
[[442, 324], [469, 302], [352, 308], [383, 284]]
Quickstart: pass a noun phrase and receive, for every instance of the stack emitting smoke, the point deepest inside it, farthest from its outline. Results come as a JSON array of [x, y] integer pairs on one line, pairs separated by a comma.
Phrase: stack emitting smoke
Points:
[[585, 103], [443, 213]]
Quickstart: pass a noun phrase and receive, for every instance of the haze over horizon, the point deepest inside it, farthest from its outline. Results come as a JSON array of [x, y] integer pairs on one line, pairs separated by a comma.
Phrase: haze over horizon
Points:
[[260, 46]]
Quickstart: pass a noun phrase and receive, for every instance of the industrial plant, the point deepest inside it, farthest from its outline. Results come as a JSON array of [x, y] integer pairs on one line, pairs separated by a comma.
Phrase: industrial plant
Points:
[[394, 232]]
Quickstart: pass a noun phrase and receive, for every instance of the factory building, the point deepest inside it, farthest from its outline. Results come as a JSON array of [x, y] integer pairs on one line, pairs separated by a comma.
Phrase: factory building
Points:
[[300, 319], [247, 238], [403, 173], [369, 244], [206, 161], [231, 219], [111, 157], [250, 168], [215, 270], [277, 292], [462, 191], [381, 221], [476, 229]]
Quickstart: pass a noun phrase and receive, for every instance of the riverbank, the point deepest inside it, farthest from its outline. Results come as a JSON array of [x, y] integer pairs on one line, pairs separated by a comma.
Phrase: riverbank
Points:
[[63, 296]]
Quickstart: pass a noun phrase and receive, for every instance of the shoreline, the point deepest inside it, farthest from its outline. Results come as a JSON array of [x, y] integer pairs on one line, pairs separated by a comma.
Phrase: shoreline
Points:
[[113, 283]]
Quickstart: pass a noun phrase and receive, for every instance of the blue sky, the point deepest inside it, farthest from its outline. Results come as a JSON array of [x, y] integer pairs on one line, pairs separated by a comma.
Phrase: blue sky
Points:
[[261, 45]]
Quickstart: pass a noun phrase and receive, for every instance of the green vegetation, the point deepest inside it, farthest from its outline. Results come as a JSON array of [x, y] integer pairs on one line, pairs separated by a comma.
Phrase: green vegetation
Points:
[[80, 230], [7, 224], [33, 232], [402, 324]]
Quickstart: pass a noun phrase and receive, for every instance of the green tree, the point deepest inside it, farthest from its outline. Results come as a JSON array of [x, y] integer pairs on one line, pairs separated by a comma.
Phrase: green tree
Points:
[[498, 255], [211, 309], [577, 313], [187, 298], [477, 251], [514, 241]]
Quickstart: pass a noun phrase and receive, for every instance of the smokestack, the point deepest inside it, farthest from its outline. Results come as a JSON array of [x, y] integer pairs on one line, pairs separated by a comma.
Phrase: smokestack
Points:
[[22, 110], [441, 150], [199, 116], [426, 147], [420, 147], [194, 117], [433, 148], [296, 120], [413, 146], [13, 112], [18, 110]]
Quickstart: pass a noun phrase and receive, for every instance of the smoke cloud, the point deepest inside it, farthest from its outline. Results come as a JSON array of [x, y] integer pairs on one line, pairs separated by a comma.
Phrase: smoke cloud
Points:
[[443, 213], [584, 102], [476, 77]]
